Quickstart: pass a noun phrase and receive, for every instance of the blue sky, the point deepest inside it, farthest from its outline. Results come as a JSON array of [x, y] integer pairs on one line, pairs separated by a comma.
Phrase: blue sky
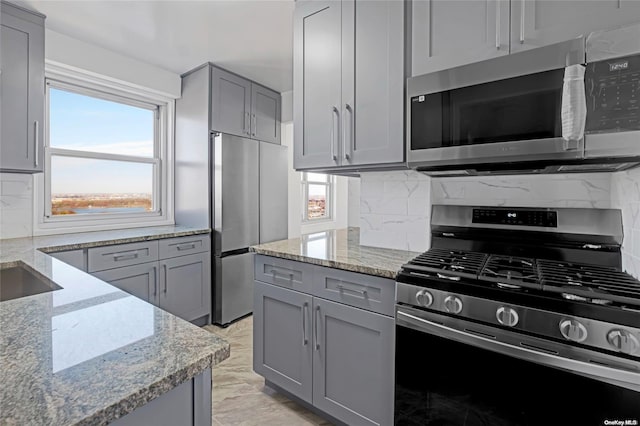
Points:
[[92, 124]]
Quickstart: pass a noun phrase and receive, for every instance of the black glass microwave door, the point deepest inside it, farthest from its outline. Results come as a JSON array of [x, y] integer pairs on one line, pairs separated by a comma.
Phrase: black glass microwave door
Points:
[[441, 382], [613, 95], [519, 108]]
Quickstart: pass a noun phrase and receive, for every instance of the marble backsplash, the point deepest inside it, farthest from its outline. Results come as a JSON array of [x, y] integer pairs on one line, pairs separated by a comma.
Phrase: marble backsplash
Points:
[[395, 206], [16, 205]]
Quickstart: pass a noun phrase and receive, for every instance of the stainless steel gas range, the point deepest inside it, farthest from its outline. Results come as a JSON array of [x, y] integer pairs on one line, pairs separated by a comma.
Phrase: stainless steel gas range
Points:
[[518, 316]]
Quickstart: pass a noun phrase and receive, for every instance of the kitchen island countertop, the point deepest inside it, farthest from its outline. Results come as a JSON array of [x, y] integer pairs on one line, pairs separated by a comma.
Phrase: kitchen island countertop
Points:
[[90, 353], [339, 249]]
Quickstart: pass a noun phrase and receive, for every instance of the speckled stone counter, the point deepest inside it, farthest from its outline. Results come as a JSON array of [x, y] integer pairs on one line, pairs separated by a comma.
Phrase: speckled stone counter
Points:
[[90, 353], [339, 249]]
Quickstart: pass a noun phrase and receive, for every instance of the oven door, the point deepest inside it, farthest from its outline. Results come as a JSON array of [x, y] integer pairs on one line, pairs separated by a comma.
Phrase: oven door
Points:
[[454, 372]]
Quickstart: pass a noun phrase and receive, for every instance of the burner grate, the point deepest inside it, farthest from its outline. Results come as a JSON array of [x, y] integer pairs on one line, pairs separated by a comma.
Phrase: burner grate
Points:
[[511, 272], [448, 262], [599, 284]]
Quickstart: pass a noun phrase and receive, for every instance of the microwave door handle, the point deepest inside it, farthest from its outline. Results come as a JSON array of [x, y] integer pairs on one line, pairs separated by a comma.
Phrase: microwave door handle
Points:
[[522, 6], [498, 24], [628, 379]]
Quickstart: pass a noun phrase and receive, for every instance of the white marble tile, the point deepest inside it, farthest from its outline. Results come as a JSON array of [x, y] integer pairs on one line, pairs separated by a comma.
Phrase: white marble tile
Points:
[[404, 224], [384, 239], [371, 222], [419, 206]]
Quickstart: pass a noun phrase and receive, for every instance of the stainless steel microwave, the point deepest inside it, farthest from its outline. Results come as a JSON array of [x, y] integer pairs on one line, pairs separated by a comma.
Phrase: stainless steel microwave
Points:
[[568, 107]]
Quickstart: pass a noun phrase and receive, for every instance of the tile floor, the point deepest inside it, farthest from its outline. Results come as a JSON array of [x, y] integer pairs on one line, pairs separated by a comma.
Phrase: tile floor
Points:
[[239, 395]]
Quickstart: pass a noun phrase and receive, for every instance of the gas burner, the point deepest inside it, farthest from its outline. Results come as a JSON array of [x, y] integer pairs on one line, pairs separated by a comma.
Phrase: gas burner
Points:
[[454, 263], [510, 272]]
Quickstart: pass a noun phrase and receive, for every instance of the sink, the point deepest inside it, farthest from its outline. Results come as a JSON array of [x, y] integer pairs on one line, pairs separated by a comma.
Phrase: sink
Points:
[[19, 280]]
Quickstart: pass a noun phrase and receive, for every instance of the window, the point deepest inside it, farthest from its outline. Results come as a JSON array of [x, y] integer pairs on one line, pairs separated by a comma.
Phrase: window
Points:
[[105, 161], [317, 195]]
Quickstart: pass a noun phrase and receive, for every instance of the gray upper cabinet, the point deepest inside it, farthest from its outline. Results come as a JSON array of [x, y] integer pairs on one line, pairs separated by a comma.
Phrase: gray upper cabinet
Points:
[[283, 341], [242, 108], [372, 82], [21, 90], [265, 114], [231, 103], [348, 80], [185, 285], [353, 362], [537, 23], [446, 34], [317, 68]]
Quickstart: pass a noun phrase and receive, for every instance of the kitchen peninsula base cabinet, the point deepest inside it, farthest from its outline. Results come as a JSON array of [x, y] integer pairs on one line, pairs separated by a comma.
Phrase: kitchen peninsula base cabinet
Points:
[[189, 404], [173, 274], [335, 355]]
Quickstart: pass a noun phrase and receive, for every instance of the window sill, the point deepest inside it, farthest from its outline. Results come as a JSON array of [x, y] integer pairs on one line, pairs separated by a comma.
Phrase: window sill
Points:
[[68, 228]]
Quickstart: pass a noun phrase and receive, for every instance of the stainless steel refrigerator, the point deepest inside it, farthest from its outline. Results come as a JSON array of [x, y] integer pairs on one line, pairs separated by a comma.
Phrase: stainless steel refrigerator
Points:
[[248, 207]]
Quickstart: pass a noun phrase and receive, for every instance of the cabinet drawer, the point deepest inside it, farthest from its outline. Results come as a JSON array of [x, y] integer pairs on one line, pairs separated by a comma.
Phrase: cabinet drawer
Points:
[[172, 247], [101, 258], [285, 273], [374, 294]]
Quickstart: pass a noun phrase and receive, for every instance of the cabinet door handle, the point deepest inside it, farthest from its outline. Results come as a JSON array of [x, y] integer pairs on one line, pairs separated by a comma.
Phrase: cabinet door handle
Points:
[[315, 328], [164, 266], [155, 282], [247, 123], [254, 124], [36, 139], [304, 323], [522, 5], [125, 256], [334, 113], [351, 138], [498, 24]]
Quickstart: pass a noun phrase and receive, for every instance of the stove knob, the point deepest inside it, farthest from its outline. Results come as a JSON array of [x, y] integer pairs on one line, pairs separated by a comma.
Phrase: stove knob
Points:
[[453, 304], [623, 341], [507, 316], [424, 298], [573, 330]]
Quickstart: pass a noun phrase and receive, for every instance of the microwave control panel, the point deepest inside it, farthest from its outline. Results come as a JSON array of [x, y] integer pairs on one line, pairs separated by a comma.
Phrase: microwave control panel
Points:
[[613, 95]]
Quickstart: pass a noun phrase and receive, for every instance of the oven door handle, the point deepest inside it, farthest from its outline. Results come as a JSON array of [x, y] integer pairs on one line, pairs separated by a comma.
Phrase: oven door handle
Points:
[[627, 379]]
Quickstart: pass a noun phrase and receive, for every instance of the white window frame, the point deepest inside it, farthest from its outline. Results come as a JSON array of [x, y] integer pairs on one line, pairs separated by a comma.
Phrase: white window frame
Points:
[[330, 184], [162, 161]]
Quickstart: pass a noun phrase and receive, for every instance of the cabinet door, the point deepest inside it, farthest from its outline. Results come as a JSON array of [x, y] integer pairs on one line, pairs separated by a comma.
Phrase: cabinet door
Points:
[[139, 280], [185, 286], [265, 114], [282, 338], [231, 103], [447, 34], [316, 83], [353, 363], [21, 91], [537, 23], [75, 258], [372, 82]]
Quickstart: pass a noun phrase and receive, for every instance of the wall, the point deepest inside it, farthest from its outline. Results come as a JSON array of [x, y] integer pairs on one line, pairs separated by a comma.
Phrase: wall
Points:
[[16, 190], [625, 195]]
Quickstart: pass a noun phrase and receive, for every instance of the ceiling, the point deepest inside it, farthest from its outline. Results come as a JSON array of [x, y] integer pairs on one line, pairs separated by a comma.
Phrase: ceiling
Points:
[[250, 37]]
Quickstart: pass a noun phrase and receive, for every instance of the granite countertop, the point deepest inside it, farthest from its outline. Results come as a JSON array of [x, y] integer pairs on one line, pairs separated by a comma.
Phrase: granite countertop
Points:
[[339, 249], [90, 353]]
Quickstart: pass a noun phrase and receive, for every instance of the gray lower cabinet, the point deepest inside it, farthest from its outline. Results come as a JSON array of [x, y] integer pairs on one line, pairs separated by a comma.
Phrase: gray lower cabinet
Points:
[[353, 363], [75, 258], [188, 404], [185, 285], [22, 90], [138, 280], [282, 339], [333, 355]]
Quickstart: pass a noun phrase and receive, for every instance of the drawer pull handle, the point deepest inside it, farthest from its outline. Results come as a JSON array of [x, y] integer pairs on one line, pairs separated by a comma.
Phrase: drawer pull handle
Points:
[[186, 246], [343, 288], [125, 256], [274, 273]]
